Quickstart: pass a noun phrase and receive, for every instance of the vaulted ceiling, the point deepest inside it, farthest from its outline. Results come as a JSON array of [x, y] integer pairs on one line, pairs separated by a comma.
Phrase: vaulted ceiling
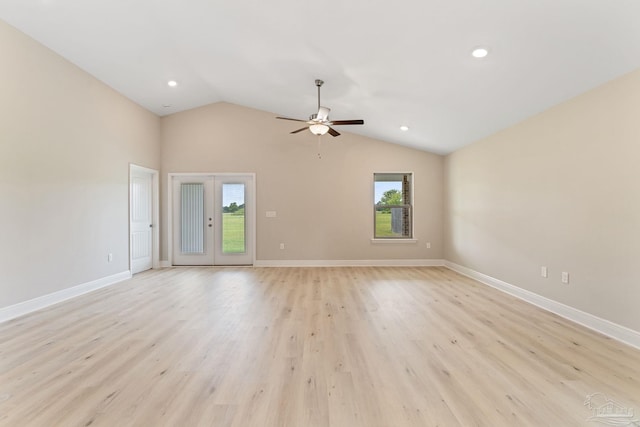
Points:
[[391, 63]]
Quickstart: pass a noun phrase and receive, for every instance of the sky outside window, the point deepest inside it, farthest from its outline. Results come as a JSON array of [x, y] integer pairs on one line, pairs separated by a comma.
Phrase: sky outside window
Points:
[[382, 186], [232, 193]]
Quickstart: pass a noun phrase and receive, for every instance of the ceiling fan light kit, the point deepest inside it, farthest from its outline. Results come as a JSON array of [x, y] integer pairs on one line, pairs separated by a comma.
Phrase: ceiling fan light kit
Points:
[[318, 129], [319, 123]]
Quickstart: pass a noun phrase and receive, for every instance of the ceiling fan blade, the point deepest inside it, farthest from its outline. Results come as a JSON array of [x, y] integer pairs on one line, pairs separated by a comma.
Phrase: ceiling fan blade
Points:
[[347, 122], [295, 120], [333, 132], [300, 130]]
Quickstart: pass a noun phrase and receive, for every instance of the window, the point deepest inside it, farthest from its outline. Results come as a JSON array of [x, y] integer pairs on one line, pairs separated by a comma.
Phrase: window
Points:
[[392, 206]]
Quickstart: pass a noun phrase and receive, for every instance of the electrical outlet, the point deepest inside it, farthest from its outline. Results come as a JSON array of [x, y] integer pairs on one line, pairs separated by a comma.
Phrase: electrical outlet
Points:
[[110, 257], [544, 272], [281, 245], [428, 245], [565, 277]]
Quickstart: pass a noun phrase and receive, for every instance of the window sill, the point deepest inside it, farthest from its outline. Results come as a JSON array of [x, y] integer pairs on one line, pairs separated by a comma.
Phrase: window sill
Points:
[[392, 241]]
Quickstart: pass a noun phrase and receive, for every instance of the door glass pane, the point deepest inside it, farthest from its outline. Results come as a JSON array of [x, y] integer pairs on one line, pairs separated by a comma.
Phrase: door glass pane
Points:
[[192, 218], [233, 219]]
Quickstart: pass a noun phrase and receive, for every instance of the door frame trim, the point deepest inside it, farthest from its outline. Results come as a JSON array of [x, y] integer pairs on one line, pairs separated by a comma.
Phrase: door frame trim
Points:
[[155, 213], [251, 218]]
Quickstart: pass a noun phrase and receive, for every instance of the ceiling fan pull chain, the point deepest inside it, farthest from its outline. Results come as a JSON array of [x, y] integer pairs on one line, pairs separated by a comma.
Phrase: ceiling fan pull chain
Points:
[[319, 155]]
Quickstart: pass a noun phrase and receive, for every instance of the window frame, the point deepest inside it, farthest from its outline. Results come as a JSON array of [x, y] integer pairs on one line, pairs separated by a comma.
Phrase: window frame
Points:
[[409, 206]]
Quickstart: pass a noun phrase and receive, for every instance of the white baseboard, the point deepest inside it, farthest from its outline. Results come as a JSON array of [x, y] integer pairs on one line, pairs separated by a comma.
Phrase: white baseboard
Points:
[[351, 263], [610, 329], [20, 309], [341, 263]]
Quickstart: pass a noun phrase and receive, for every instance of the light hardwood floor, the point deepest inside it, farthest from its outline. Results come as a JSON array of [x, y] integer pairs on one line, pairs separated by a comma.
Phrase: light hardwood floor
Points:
[[305, 347]]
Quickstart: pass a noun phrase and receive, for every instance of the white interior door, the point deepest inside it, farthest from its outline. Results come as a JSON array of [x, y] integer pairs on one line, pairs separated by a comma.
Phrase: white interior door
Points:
[[213, 219], [193, 220], [141, 220]]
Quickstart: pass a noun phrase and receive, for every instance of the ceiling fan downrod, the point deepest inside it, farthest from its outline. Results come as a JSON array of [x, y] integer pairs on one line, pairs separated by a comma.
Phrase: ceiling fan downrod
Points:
[[318, 84]]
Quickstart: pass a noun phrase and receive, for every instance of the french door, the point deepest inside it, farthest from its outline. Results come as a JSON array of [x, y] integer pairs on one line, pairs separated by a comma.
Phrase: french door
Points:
[[213, 218]]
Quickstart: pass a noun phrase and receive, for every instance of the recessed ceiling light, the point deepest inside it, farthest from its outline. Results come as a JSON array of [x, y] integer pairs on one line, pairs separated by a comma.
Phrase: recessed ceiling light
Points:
[[172, 83], [166, 105], [479, 52], [404, 128]]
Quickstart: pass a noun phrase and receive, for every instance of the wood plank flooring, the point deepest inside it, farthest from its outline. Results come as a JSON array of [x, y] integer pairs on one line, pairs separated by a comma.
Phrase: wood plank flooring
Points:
[[300, 347]]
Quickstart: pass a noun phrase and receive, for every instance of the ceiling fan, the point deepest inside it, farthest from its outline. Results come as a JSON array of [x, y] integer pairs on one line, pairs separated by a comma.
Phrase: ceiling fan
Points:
[[319, 123]]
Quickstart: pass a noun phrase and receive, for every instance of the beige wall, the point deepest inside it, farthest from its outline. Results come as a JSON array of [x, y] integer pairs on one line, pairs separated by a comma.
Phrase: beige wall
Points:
[[66, 141], [324, 206], [561, 189]]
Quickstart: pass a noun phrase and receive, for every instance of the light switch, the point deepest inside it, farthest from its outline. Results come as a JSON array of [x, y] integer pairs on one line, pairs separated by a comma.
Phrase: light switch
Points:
[[271, 214]]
